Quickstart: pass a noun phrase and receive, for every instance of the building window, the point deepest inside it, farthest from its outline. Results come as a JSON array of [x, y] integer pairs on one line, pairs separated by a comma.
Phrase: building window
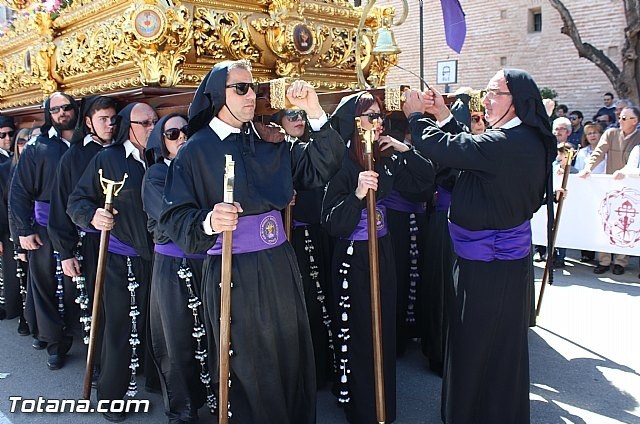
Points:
[[503, 14], [535, 20], [503, 61], [612, 52]]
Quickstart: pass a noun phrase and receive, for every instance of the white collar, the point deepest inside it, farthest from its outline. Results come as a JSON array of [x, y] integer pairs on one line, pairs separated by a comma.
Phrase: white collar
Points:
[[5, 153], [514, 122], [88, 139], [167, 161], [53, 133], [222, 129], [626, 137], [130, 149]]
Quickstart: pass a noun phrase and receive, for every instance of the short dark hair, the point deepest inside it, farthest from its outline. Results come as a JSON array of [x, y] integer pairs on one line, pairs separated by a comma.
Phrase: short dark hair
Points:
[[577, 113], [563, 107], [102, 103], [608, 94]]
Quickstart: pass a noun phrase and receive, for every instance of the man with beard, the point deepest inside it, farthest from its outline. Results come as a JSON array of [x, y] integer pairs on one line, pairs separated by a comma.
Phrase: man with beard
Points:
[[78, 247], [50, 305], [128, 270]]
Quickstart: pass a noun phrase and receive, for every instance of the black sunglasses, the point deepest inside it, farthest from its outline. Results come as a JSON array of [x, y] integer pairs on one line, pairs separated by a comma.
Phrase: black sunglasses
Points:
[[373, 116], [294, 115], [55, 109], [476, 119], [242, 88], [4, 134], [21, 140], [174, 133], [146, 123], [622, 118]]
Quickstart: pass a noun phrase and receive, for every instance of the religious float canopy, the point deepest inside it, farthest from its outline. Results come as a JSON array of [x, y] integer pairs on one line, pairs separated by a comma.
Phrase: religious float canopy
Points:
[[163, 47]]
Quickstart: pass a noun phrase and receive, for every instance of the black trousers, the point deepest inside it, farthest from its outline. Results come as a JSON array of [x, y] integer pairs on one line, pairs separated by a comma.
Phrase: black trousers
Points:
[[12, 298]]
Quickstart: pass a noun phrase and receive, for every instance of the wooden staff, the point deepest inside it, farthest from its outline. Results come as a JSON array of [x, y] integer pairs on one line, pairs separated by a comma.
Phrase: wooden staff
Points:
[[225, 298], [110, 189], [374, 274], [288, 221], [554, 233]]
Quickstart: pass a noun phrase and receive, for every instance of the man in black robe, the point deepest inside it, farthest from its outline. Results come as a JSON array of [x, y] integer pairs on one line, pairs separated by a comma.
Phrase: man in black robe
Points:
[[505, 176], [50, 305], [128, 270], [272, 368], [11, 304]]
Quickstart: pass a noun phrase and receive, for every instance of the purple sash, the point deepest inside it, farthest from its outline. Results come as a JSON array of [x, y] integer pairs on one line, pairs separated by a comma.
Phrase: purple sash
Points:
[[362, 233], [120, 248], [254, 233], [88, 230], [172, 249], [489, 245], [41, 212], [396, 202], [298, 224], [444, 199]]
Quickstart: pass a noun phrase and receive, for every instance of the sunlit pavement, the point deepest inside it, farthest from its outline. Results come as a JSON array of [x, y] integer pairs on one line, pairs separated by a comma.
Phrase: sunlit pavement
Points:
[[585, 362]]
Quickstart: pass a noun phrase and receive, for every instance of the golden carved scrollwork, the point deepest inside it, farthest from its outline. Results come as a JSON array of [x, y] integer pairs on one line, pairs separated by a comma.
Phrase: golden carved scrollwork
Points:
[[340, 53], [159, 57], [93, 49], [17, 4], [28, 68], [223, 35], [379, 68]]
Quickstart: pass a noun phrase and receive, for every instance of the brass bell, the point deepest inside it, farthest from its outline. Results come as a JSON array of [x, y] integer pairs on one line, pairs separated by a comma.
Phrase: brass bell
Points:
[[385, 42]]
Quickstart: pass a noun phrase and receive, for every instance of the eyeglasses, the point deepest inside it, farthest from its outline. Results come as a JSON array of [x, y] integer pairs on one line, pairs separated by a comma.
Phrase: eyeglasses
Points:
[[624, 118], [476, 119], [5, 134], [55, 109], [573, 118], [146, 123], [493, 92], [373, 116], [294, 115], [242, 88], [174, 133]]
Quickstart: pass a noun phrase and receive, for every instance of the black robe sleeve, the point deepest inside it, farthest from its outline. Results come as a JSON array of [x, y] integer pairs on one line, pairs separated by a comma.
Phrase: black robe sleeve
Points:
[[5, 175], [22, 193], [341, 208], [83, 200], [152, 189]]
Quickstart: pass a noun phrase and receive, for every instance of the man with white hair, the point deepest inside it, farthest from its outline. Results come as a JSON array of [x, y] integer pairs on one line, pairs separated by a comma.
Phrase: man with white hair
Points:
[[562, 129]]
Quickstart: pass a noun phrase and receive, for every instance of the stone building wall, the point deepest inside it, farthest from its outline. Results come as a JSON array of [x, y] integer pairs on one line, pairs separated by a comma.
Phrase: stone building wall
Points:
[[499, 35]]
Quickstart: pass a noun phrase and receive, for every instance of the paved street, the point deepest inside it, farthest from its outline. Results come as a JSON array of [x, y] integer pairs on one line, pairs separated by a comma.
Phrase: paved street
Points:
[[585, 362]]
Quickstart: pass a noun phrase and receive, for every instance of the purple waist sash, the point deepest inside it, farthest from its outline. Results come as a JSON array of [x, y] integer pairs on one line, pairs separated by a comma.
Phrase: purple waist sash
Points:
[[41, 212], [444, 199], [254, 233], [88, 230], [172, 249], [396, 202], [120, 248], [298, 224], [362, 233], [489, 245]]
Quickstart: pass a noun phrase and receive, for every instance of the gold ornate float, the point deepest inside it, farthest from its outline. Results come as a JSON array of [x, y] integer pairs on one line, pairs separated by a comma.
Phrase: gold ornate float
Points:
[[167, 46]]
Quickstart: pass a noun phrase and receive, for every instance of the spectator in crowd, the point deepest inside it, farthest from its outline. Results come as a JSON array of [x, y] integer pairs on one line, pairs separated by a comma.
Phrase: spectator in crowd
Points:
[[558, 168], [615, 146], [562, 129], [604, 121], [608, 109], [562, 111], [577, 130]]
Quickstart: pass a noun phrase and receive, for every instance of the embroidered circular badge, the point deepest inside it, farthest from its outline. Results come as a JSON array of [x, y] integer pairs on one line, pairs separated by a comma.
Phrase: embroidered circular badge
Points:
[[269, 230], [379, 219], [619, 214]]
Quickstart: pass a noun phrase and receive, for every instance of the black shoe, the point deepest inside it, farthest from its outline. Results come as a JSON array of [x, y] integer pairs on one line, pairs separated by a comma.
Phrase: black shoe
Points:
[[541, 258], [55, 362], [558, 264], [23, 327], [601, 269], [114, 417], [618, 270], [585, 258], [38, 344]]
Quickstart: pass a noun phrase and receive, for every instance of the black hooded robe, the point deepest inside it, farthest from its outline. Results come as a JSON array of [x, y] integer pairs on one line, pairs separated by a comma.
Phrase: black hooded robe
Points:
[[272, 369], [12, 297], [504, 172], [33, 181], [341, 212]]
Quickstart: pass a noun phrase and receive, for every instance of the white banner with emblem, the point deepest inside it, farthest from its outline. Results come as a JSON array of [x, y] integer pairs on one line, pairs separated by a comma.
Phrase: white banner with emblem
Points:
[[599, 214]]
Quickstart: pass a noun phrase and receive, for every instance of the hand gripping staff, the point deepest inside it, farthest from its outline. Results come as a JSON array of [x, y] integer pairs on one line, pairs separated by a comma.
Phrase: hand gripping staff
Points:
[[554, 233], [374, 275], [110, 189], [225, 298]]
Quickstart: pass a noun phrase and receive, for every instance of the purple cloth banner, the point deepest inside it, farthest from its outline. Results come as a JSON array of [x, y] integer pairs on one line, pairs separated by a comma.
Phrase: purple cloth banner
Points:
[[444, 199], [489, 245], [455, 26], [362, 229], [396, 202], [41, 212], [254, 233], [172, 249], [120, 248]]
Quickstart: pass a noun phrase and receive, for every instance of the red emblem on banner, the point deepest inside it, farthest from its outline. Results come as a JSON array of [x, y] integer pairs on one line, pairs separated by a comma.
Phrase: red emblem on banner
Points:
[[619, 212]]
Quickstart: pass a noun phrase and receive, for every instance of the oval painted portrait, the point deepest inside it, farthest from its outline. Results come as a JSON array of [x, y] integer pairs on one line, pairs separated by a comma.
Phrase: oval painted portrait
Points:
[[302, 38]]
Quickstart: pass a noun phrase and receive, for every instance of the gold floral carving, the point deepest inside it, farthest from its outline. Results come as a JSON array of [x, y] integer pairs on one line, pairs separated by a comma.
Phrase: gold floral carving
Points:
[[223, 35], [159, 59], [340, 53], [379, 69], [28, 68]]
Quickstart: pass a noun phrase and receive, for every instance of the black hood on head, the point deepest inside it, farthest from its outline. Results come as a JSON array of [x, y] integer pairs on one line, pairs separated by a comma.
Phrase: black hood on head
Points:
[[48, 122], [7, 121], [81, 127], [123, 124], [153, 151], [209, 98], [460, 109], [343, 118]]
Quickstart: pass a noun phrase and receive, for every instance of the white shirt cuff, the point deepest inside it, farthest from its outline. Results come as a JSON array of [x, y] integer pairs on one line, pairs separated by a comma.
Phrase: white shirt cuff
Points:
[[445, 121], [317, 123], [206, 225]]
